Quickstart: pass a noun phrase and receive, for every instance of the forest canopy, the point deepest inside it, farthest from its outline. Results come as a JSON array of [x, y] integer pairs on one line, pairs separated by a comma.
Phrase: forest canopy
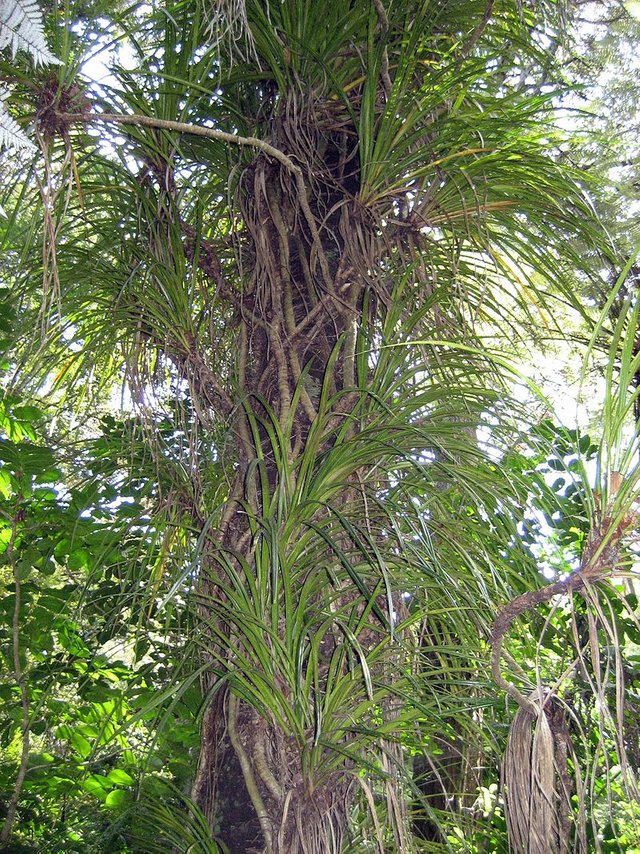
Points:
[[319, 426]]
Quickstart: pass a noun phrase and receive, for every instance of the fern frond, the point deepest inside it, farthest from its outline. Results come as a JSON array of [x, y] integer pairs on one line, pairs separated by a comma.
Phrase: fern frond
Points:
[[22, 28], [11, 134]]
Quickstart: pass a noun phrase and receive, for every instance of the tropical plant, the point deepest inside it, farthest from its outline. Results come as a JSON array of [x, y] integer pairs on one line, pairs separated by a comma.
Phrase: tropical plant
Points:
[[313, 241]]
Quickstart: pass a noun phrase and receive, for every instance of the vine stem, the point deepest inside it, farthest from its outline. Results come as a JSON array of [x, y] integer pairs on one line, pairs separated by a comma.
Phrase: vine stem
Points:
[[12, 808]]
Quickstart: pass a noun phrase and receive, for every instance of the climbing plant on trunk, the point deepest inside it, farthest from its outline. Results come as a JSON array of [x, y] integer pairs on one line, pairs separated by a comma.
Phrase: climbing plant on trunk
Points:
[[311, 235]]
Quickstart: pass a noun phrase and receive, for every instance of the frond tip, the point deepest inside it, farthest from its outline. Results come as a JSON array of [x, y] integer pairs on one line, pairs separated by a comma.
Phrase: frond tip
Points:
[[22, 28]]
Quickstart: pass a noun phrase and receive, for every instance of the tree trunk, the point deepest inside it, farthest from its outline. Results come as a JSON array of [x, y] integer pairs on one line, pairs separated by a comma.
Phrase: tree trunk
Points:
[[297, 318]]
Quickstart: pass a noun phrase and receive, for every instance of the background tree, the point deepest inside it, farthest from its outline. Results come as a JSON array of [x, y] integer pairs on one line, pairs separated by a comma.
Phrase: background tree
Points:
[[309, 238]]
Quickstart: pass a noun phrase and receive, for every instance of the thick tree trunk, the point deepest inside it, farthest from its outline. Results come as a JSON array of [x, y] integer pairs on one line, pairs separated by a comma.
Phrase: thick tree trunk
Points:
[[302, 301]]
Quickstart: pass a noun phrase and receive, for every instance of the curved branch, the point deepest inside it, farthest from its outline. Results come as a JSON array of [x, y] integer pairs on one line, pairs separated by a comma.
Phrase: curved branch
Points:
[[247, 772], [599, 558], [183, 127], [223, 136]]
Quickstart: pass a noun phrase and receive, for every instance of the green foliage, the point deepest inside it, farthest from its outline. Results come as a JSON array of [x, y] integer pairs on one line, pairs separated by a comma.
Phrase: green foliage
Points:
[[94, 683], [302, 567]]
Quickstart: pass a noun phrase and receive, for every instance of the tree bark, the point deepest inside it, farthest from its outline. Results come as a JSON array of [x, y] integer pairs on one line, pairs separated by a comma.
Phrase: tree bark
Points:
[[301, 303]]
